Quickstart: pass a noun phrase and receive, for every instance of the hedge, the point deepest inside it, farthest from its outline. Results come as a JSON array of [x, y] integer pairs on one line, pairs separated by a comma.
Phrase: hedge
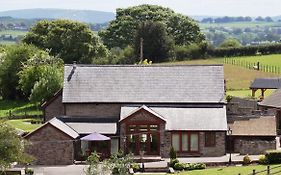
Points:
[[273, 156]]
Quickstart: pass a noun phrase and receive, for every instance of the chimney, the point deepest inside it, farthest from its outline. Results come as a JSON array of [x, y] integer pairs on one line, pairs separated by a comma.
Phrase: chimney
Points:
[[72, 71]]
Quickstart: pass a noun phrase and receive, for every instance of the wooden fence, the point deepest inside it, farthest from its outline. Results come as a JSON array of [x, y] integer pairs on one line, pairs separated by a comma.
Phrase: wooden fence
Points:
[[254, 66], [267, 171]]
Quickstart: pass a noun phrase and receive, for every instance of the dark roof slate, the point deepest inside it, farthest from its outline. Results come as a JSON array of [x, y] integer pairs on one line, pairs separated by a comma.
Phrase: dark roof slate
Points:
[[274, 100], [266, 83], [144, 84]]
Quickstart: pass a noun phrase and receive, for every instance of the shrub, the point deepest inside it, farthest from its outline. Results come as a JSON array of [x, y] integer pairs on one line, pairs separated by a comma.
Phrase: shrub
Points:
[[29, 171], [273, 156], [173, 162], [135, 166], [228, 98], [262, 159], [173, 153], [179, 166], [194, 166], [247, 160]]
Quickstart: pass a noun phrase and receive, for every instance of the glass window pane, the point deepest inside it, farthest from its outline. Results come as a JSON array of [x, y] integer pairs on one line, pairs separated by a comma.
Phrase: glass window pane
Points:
[[153, 127], [194, 142], [184, 142], [143, 128], [176, 142]]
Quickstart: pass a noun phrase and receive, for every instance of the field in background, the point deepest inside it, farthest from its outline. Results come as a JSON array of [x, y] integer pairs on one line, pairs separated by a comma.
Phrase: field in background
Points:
[[241, 24], [18, 108], [23, 124]]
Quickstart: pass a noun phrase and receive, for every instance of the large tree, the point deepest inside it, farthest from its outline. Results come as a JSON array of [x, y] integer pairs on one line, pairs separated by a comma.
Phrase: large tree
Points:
[[41, 76], [11, 64], [121, 31], [70, 40], [157, 44]]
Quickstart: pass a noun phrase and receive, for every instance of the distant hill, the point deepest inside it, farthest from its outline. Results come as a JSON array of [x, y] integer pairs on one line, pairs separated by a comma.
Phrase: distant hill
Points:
[[88, 16]]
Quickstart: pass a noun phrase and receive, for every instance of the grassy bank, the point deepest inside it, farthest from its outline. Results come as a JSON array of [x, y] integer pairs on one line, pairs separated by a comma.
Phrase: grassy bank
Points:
[[18, 108]]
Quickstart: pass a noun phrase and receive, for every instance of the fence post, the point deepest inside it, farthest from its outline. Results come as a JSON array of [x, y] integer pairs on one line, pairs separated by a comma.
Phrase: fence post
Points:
[[254, 172], [268, 170]]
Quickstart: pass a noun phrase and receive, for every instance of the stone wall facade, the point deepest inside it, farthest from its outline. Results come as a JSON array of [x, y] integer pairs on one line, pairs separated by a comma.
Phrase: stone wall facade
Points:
[[253, 147], [54, 109], [217, 150], [50, 146], [166, 137], [93, 110]]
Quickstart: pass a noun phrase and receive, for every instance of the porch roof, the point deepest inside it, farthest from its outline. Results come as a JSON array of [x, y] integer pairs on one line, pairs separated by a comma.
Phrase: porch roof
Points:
[[87, 128], [274, 100], [189, 119]]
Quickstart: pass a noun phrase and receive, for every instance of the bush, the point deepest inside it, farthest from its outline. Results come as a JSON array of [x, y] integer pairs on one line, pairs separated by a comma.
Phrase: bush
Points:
[[173, 153], [29, 171], [262, 160], [179, 166], [192, 51], [194, 166], [247, 160], [135, 166], [173, 162], [273, 156]]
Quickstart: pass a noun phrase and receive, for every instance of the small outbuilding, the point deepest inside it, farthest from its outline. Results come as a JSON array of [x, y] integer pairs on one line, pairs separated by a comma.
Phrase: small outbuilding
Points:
[[52, 143]]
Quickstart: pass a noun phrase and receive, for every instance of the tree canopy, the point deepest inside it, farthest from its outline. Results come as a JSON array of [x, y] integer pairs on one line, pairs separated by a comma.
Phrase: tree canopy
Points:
[[230, 42], [69, 40], [41, 76], [11, 63], [121, 31], [157, 44]]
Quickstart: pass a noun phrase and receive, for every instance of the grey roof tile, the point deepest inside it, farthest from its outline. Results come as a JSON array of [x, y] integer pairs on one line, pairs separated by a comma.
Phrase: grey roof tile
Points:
[[274, 100], [189, 119], [266, 83], [144, 84]]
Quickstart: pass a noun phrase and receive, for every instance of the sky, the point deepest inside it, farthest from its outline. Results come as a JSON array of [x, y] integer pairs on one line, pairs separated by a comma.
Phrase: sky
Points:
[[187, 7]]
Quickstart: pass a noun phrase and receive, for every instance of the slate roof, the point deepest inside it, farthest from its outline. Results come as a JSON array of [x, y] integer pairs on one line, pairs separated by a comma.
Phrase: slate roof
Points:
[[144, 84], [188, 119], [274, 100], [88, 128], [59, 125], [263, 126], [266, 83]]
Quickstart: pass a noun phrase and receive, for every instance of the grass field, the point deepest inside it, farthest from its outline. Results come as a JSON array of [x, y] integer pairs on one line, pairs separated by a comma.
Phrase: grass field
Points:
[[23, 124], [244, 170], [271, 60], [237, 78], [18, 108], [12, 32], [241, 24]]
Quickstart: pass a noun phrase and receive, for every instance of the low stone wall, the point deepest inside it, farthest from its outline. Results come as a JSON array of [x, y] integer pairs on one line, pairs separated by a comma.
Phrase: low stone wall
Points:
[[256, 147]]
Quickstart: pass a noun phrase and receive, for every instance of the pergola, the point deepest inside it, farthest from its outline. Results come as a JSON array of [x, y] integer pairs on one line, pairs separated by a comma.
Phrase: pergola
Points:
[[263, 84]]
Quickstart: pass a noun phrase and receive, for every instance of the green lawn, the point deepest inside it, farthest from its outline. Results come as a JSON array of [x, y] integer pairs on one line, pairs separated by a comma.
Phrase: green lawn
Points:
[[241, 24], [247, 93], [237, 78], [23, 124], [270, 60], [18, 108], [234, 170], [12, 32]]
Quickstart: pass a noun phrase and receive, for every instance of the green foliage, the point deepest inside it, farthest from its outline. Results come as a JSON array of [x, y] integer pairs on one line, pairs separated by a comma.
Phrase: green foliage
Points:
[[192, 51], [245, 50], [157, 44], [194, 166], [71, 41], [11, 64], [121, 31], [228, 98], [41, 76], [29, 171], [230, 42], [273, 156], [118, 56], [11, 147], [145, 62], [247, 160], [173, 153], [179, 166], [117, 164], [173, 162], [262, 159], [136, 167]]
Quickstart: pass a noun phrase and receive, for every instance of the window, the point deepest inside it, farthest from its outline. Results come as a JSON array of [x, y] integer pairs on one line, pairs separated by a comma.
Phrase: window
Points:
[[210, 139], [185, 141]]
